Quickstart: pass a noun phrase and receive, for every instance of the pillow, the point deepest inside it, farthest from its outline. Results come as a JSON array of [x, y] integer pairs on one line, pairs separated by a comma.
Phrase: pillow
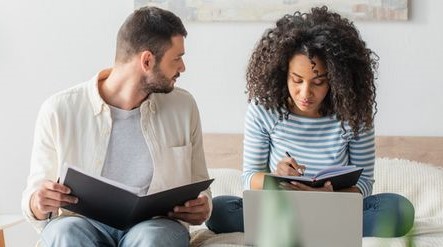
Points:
[[421, 183], [227, 182]]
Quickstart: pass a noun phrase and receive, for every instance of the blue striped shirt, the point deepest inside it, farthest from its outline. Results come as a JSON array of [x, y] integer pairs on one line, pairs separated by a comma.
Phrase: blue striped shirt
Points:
[[316, 143]]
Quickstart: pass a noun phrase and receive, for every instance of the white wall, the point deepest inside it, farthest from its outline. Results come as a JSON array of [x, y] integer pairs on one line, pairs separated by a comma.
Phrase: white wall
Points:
[[409, 85], [45, 46], [48, 45]]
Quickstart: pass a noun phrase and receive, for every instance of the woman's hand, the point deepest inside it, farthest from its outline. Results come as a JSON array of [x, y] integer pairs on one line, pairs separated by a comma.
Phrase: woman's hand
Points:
[[289, 167]]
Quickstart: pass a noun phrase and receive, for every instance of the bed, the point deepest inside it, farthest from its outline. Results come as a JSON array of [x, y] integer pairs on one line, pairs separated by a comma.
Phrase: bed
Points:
[[410, 166]]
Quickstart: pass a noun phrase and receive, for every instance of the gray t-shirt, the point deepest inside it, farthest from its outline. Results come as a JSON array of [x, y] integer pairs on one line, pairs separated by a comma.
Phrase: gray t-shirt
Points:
[[128, 160]]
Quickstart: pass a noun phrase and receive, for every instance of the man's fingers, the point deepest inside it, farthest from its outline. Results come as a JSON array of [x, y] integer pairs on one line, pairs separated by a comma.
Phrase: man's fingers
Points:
[[51, 196], [57, 197], [194, 211], [45, 205], [198, 205], [200, 200], [53, 199], [52, 186], [192, 218]]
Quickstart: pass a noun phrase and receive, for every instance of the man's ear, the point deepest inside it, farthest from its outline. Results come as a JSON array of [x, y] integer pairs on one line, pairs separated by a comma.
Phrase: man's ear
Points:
[[147, 60]]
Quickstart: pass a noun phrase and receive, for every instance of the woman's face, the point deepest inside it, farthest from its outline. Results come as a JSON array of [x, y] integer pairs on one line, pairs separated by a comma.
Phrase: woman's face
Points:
[[307, 84]]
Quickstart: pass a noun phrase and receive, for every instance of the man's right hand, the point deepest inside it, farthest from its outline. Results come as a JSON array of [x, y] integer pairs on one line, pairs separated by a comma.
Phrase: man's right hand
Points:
[[49, 197]]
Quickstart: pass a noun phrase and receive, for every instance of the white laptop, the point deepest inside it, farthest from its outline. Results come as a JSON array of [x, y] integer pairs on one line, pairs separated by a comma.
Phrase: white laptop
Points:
[[302, 219]]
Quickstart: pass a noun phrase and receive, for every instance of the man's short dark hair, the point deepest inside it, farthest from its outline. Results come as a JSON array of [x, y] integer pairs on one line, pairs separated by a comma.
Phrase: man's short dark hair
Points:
[[147, 28]]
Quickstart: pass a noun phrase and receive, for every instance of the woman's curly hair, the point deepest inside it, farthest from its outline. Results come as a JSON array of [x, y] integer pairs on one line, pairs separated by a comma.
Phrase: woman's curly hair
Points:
[[351, 66]]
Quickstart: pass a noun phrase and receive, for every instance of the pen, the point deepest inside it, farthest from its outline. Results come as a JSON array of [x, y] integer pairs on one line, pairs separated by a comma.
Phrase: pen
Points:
[[50, 213], [299, 170]]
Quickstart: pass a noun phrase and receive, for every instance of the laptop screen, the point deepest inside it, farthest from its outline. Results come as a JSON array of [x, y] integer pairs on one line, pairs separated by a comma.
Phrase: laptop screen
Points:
[[301, 218]]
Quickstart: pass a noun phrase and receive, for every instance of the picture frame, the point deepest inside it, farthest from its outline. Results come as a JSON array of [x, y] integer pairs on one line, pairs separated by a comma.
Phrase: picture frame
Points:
[[271, 10]]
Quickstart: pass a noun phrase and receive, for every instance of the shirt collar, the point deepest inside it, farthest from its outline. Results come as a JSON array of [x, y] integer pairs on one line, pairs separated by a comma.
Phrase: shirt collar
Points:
[[98, 104]]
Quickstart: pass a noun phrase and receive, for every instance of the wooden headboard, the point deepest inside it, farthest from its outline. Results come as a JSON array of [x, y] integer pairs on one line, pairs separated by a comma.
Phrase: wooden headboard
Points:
[[226, 150]]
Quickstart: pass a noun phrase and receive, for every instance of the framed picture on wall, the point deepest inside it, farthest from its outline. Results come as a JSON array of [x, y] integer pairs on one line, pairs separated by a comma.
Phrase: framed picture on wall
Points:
[[271, 10]]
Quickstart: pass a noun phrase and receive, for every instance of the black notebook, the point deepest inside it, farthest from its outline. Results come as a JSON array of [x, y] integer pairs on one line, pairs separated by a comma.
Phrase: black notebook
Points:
[[340, 176], [120, 208]]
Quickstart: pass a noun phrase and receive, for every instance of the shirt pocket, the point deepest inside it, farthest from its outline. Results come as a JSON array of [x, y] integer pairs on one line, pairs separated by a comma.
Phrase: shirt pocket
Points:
[[179, 164]]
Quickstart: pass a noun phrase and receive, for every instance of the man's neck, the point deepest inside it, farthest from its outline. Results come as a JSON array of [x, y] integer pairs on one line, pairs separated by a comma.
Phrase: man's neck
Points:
[[122, 89]]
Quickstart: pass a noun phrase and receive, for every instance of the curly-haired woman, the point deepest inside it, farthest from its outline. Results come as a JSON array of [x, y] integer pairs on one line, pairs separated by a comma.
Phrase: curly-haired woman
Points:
[[310, 83]]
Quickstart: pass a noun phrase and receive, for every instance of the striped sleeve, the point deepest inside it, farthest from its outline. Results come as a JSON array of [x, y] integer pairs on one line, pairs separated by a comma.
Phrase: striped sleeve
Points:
[[256, 150], [362, 154]]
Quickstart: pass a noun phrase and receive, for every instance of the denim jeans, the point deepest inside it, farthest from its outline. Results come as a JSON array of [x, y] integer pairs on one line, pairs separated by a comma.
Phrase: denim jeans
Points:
[[79, 231], [384, 215]]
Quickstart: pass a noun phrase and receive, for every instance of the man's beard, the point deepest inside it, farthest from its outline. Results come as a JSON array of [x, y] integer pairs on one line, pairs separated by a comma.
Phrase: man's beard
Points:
[[158, 83]]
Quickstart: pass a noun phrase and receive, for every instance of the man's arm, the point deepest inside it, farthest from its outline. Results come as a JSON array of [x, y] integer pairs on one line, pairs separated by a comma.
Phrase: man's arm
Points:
[[198, 210], [43, 170]]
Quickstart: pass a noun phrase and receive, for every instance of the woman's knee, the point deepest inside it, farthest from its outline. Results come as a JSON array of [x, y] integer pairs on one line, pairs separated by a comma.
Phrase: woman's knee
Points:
[[388, 215], [405, 213]]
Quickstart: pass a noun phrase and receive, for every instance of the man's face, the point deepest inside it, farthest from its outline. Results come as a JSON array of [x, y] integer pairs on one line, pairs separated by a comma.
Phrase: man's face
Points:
[[165, 73]]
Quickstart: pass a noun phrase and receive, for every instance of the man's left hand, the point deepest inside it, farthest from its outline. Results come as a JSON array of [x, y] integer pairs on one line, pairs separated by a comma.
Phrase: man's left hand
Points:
[[194, 211]]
